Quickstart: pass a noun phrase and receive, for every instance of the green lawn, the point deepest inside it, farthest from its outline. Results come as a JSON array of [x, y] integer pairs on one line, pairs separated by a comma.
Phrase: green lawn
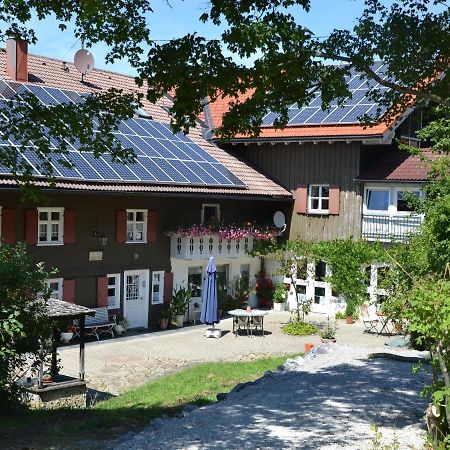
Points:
[[132, 410]]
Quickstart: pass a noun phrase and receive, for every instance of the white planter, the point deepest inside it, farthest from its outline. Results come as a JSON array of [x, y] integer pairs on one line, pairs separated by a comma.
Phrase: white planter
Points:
[[66, 337], [179, 319], [118, 330], [279, 307]]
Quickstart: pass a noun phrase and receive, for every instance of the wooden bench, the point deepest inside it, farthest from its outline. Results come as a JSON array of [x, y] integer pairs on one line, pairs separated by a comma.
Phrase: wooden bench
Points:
[[98, 324]]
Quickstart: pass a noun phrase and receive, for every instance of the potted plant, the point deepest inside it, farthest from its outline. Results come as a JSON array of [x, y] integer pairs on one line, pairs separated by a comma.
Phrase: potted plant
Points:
[[121, 324], [66, 336], [328, 334], [264, 288], [279, 297], [349, 312], [165, 317], [179, 304]]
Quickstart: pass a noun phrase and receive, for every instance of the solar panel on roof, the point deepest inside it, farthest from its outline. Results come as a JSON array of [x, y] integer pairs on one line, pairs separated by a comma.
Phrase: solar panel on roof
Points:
[[162, 156], [359, 88]]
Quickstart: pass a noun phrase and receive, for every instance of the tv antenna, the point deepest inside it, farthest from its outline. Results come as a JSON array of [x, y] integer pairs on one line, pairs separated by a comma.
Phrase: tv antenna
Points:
[[279, 220]]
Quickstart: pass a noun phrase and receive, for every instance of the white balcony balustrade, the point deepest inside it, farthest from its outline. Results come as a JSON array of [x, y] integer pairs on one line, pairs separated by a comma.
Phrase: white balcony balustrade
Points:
[[390, 228], [203, 247]]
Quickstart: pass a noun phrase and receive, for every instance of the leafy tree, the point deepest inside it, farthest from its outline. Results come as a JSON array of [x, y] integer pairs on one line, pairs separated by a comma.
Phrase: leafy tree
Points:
[[23, 319], [290, 64]]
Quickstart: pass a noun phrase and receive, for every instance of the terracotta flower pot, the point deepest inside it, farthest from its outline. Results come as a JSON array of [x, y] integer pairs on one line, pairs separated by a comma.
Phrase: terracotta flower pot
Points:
[[308, 347], [349, 320]]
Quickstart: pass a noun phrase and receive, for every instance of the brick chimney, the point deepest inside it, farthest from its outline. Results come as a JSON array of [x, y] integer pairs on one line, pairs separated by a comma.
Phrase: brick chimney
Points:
[[17, 59]]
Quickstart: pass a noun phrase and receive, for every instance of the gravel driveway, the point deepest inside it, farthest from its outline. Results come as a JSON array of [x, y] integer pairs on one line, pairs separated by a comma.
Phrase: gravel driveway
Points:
[[327, 400]]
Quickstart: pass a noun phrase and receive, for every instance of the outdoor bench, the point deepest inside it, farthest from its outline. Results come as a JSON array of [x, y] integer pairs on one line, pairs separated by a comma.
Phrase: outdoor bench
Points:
[[98, 324]]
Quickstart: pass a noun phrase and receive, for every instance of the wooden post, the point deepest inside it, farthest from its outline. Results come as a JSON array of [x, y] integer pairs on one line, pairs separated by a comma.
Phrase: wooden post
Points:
[[41, 366], [81, 321], [54, 370]]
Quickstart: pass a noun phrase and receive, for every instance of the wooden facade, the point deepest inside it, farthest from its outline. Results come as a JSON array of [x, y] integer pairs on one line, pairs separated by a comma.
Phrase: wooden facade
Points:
[[298, 165], [87, 215]]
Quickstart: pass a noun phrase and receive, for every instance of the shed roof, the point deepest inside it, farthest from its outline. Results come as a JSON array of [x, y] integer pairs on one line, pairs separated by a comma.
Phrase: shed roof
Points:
[[59, 309], [397, 166]]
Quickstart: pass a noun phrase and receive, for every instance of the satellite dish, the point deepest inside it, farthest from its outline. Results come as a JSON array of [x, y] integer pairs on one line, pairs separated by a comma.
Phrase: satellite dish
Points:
[[84, 61], [279, 220]]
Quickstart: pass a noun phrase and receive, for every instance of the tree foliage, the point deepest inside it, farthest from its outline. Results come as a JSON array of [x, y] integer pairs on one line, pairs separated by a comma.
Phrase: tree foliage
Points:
[[23, 319]]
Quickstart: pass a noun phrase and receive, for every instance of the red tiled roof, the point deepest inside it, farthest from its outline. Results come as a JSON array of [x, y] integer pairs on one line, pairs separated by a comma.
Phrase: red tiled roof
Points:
[[53, 72], [396, 165], [218, 108]]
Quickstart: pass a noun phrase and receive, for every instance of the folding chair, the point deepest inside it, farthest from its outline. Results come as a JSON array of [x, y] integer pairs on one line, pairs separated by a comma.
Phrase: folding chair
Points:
[[239, 322], [255, 323], [369, 318]]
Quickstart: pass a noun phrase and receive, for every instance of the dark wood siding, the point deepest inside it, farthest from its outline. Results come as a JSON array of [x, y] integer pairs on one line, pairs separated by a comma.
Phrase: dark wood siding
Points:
[[295, 164], [96, 212]]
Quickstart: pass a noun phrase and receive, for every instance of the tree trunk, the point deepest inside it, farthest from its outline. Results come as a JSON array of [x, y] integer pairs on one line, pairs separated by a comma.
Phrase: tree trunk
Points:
[[446, 379]]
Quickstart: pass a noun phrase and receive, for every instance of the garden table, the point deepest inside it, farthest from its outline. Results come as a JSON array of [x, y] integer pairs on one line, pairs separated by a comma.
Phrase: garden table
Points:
[[384, 324], [249, 315]]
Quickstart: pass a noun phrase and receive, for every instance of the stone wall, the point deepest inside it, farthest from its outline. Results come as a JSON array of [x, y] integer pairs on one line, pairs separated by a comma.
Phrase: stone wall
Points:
[[67, 396]]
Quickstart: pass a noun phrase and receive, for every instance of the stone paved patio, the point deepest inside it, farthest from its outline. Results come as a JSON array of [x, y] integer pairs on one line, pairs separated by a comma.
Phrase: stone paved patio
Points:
[[116, 365]]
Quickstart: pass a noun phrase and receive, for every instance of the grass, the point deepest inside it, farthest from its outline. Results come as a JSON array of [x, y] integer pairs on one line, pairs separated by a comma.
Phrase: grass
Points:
[[300, 328], [132, 410]]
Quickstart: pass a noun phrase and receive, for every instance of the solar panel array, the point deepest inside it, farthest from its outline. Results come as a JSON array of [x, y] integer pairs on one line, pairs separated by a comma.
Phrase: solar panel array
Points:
[[161, 155], [352, 109]]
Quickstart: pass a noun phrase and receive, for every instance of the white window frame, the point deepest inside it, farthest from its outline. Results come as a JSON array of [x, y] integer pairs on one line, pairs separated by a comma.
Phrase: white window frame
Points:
[[135, 222], [116, 277], [319, 210], [49, 222], [210, 205], [392, 201], [59, 281], [161, 287]]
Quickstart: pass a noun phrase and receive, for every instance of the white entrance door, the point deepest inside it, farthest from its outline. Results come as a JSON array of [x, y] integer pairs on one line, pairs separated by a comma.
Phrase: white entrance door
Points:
[[135, 296]]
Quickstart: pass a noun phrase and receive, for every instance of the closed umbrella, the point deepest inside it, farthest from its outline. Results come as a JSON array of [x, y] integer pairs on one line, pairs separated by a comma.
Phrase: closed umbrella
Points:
[[210, 314]]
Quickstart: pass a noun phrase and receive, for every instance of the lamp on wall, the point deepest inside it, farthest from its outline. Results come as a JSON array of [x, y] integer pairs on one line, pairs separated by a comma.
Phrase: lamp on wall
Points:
[[101, 237]]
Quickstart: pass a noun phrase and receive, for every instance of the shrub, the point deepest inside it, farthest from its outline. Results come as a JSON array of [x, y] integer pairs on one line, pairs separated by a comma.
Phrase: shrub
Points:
[[297, 328]]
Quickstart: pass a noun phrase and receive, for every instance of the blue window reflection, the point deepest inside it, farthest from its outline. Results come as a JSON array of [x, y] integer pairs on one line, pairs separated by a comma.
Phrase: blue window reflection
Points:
[[378, 200]]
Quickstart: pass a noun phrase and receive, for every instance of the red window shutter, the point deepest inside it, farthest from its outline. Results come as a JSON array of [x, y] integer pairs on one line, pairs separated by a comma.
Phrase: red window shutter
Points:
[[168, 286], [121, 226], [301, 199], [69, 291], [69, 226], [102, 291], [8, 225], [152, 224], [334, 199], [31, 226]]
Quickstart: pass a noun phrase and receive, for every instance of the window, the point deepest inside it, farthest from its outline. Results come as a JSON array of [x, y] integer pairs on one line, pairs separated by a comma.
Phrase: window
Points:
[[114, 291], [320, 271], [301, 292], [210, 213], [402, 200], [222, 276], [245, 274], [136, 225], [302, 269], [50, 226], [195, 277], [157, 287], [319, 199], [377, 200], [319, 295], [55, 285]]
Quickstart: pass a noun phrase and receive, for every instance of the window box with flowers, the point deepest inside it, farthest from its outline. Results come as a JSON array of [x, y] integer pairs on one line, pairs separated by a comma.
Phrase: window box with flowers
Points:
[[215, 238], [264, 289]]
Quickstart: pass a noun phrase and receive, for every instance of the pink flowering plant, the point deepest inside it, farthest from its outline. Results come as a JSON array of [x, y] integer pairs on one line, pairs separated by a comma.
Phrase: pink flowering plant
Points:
[[225, 232]]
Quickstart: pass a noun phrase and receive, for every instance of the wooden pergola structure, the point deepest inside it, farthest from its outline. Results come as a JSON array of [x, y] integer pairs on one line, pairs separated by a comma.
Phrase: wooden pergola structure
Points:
[[60, 310]]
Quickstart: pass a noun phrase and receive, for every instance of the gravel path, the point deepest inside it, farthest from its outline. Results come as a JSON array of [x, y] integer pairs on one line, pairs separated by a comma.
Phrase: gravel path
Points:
[[328, 400]]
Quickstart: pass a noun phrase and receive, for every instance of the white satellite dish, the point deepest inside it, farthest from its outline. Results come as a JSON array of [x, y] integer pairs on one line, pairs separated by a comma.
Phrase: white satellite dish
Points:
[[84, 61], [279, 220]]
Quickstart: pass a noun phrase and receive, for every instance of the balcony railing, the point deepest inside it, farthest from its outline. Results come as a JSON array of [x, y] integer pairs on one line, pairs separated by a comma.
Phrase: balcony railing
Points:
[[390, 228], [190, 247]]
